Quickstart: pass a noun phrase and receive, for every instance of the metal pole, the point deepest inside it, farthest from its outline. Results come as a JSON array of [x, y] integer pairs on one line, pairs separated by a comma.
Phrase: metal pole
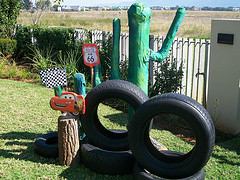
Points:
[[92, 77]]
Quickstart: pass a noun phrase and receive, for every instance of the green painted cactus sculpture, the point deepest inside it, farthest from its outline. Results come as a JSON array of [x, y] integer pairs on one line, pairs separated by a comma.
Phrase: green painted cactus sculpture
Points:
[[139, 16]]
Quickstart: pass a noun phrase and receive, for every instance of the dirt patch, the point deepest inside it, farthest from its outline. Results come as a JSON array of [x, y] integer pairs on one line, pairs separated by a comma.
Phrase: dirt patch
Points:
[[182, 129], [175, 125], [32, 81]]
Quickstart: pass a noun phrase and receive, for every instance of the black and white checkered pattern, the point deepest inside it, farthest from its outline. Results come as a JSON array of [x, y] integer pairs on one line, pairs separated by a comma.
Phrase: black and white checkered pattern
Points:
[[53, 77]]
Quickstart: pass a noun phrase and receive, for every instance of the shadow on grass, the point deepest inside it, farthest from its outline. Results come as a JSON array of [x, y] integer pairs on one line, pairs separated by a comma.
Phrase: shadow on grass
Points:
[[81, 172], [231, 153], [119, 118], [17, 146], [230, 143]]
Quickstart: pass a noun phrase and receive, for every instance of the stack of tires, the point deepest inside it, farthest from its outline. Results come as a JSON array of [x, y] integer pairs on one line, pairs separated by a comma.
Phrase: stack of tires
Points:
[[122, 152], [119, 152], [107, 151]]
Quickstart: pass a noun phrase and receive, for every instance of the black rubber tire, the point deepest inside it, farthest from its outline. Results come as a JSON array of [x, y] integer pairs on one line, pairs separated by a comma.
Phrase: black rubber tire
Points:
[[141, 174], [158, 163], [106, 162], [95, 131], [45, 145]]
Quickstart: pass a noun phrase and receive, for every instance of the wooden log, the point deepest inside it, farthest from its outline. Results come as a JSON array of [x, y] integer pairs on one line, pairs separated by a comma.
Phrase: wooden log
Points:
[[68, 139]]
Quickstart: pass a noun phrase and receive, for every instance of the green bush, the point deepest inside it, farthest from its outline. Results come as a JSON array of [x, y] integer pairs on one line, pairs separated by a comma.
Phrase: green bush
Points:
[[62, 43], [9, 11], [70, 62], [11, 70], [42, 60], [24, 43], [7, 46], [168, 79], [59, 39], [105, 55], [55, 38]]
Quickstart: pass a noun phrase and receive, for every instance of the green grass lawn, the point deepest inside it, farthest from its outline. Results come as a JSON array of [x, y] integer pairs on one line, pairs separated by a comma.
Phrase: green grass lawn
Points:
[[25, 114]]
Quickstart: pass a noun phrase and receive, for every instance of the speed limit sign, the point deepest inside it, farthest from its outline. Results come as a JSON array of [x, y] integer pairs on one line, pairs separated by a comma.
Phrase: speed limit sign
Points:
[[90, 55]]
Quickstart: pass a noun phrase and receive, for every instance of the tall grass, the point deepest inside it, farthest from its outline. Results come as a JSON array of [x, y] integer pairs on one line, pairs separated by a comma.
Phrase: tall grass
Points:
[[9, 69], [70, 63], [42, 59], [195, 23]]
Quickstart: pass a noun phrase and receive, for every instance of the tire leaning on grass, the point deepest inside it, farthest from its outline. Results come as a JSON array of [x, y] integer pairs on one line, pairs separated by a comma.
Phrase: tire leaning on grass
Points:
[[140, 173], [104, 161], [159, 163], [95, 131], [46, 145]]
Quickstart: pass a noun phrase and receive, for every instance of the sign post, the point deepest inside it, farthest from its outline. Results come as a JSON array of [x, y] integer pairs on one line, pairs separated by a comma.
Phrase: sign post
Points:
[[91, 57]]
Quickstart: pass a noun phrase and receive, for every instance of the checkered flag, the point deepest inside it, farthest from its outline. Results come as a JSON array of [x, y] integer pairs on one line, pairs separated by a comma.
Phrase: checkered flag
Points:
[[53, 77]]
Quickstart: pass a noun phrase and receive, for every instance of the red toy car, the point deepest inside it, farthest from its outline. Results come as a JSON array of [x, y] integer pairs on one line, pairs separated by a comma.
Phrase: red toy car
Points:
[[69, 102]]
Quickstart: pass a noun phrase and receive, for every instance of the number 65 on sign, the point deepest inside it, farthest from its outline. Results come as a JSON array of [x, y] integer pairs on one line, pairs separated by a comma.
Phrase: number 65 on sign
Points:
[[90, 55]]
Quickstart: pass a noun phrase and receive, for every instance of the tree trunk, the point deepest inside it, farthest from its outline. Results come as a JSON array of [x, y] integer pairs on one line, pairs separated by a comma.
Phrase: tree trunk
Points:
[[68, 139]]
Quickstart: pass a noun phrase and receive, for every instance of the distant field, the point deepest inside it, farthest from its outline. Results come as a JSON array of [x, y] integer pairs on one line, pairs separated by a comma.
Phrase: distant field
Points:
[[195, 24]]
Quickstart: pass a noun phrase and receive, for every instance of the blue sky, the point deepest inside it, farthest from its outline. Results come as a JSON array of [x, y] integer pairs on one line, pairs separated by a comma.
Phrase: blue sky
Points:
[[198, 3]]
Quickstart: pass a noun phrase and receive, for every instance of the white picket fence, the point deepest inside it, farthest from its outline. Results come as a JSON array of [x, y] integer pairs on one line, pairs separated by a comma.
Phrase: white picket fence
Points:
[[193, 53]]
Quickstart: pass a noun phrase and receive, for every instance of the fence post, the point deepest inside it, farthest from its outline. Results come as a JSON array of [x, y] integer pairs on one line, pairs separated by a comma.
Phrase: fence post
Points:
[[93, 34], [151, 45], [205, 75], [103, 36]]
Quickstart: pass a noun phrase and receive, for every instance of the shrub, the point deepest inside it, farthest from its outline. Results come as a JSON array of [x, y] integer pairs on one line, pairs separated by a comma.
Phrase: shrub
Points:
[[168, 79], [42, 60], [9, 11], [7, 46], [123, 68], [59, 39], [24, 43], [70, 62], [11, 70], [105, 54]]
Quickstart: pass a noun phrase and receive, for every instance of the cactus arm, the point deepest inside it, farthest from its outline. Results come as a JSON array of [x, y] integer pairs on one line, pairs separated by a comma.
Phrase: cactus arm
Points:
[[163, 52], [115, 74]]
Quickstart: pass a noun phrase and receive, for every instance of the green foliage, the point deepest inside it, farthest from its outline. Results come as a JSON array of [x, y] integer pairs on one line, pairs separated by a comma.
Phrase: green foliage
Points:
[[43, 4], [59, 39], [11, 70], [70, 62], [123, 68], [7, 46], [51, 46], [42, 59], [168, 79], [105, 54], [9, 11], [24, 43], [55, 7], [27, 4]]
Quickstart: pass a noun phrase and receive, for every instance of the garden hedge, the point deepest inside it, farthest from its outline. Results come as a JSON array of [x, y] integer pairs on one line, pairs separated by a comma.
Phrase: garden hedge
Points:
[[60, 41], [7, 46]]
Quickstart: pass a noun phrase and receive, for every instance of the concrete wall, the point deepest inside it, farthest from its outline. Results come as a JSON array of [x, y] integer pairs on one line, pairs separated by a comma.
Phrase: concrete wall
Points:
[[223, 101]]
